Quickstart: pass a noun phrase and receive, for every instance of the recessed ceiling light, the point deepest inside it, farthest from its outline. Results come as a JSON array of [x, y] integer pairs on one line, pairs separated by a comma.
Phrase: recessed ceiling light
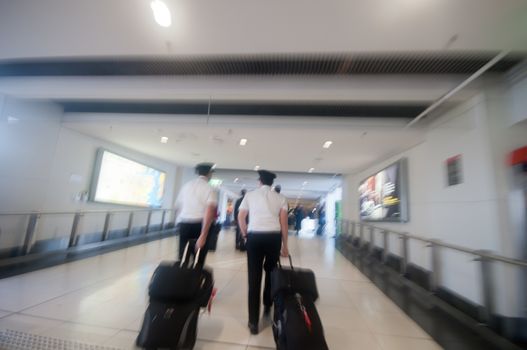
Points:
[[164, 139], [12, 120], [327, 144], [256, 168], [243, 142], [311, 170], [161, 13]]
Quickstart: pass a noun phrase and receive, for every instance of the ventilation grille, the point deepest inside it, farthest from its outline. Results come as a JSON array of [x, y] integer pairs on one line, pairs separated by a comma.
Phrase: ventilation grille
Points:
[[249, 108], [283, 64]]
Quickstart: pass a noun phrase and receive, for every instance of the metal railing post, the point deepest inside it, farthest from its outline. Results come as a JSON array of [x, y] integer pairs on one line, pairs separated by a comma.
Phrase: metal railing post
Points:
[[487, 286], [148, 218], [372, 239], [106, 228], [163, 215], [361, 235], [30, 233], [74, 229], [385, 246], [130, 223], [404, 253], [435, 278]]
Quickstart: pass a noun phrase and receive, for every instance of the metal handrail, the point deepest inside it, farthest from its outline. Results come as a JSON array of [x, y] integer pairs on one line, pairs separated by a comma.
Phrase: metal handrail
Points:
[[485, 258], [83, 211], [482, 254], [34, 216]]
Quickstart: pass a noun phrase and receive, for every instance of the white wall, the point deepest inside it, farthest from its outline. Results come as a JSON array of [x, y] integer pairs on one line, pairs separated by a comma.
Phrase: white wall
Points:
[[45, 165], [331, 198], [517, 100], [474, 214]]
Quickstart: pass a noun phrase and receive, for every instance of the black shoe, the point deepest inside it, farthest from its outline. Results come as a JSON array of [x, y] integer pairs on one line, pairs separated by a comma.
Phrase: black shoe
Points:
[[267, 311], [253, 328]]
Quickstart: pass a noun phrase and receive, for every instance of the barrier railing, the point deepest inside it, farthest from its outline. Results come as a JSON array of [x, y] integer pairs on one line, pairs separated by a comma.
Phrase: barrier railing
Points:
[[30, 231], [359, 230]]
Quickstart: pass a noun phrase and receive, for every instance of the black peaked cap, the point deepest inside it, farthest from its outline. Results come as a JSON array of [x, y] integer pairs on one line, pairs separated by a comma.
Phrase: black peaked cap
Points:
[[267, 176], [204, 168]]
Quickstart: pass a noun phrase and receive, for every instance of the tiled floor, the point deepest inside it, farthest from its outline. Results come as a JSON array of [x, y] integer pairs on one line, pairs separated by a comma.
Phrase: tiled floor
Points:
[[101, 300]]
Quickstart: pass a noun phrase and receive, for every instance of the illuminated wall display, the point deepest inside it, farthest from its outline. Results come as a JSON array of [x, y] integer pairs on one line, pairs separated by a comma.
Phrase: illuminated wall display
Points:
[[119, 180]]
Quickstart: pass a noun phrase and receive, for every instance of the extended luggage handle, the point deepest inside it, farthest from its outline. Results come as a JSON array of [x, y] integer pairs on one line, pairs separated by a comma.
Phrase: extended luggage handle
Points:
[[186, 256], [290, 262]]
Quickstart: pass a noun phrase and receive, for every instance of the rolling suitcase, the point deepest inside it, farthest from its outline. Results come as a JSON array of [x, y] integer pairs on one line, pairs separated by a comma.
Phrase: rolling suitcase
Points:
[[296, 323], [177, 292]]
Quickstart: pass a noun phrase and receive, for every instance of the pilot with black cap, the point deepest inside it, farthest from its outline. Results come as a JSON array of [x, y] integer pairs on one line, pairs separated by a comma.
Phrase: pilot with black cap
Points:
[[196, 207], [266, 237]]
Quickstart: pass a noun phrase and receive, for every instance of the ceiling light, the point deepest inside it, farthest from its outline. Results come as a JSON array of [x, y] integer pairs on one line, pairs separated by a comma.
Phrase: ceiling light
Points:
[[327, 144], [243, 142], [164, 139], [236, 180], [256, 168], [12, 120], [311, 170], [161, 13]]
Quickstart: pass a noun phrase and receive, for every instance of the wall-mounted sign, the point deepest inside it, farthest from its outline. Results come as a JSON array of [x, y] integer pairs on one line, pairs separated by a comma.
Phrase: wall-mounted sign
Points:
[[453, 169], [215, 182]]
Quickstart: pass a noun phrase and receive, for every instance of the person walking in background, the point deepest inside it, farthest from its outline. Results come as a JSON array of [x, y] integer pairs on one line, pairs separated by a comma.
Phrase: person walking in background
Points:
[[239, 243], [266, 238], [196, 207], [299, 216], [321, 220]]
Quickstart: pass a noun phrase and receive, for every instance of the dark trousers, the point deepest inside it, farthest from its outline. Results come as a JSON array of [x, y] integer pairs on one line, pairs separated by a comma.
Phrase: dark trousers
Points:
[[263, 250], [191, 231], [238, 236]]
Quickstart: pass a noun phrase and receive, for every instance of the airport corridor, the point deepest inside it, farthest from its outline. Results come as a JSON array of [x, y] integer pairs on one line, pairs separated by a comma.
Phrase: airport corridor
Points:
[[101, 300]]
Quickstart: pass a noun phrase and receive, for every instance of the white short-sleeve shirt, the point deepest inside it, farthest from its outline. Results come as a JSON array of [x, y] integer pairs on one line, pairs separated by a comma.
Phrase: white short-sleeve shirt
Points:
[[194, 198], [264, 205]]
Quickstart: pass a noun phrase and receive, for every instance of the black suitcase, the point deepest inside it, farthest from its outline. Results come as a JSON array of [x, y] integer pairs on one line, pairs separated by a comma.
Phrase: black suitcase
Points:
[[293, 280], [172, 326], [296, 323], [177, 292]]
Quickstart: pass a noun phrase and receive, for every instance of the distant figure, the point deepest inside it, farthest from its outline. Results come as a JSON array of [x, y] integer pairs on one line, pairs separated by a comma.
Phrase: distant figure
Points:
[[299, 216], [196, 207], [236, 212], [278, 188], [321, 220]]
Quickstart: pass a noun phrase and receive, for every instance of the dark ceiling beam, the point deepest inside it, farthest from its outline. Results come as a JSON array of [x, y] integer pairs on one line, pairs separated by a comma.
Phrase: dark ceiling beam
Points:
[[299, 109], [440, 62]]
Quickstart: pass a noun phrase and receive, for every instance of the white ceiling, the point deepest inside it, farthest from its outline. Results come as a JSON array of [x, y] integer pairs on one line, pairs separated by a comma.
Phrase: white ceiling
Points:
[[274, 143], [117, 28], [294, 185], [46, 28], [385, 88]]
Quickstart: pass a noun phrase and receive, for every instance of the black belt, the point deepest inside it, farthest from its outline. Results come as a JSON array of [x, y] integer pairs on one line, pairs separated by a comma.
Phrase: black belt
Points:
[[264, 232]]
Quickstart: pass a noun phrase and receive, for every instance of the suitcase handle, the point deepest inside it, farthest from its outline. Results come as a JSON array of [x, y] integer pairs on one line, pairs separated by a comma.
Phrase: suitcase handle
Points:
[[186, 255], [290, 262]]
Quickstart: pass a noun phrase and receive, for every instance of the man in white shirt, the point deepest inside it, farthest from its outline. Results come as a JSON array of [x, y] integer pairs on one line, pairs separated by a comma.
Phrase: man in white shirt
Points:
[[266, 240], [196, 207]]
